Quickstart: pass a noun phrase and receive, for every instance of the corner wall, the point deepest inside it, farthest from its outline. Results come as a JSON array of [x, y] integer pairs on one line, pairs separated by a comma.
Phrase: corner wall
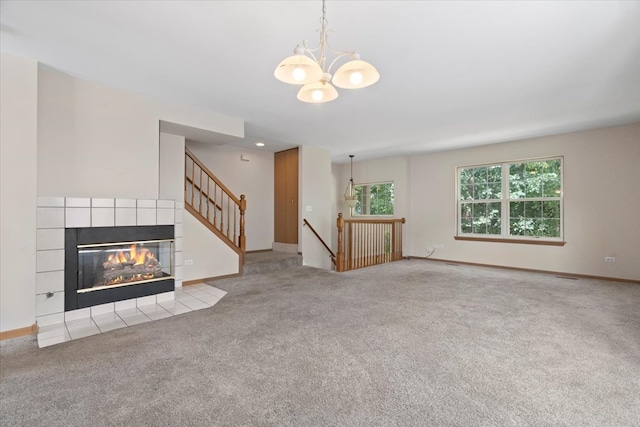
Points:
[[601, 204], [205, 254], [253, 178], [390, 169], [18, 174], [98, 141], [67, 137], [315, 197]]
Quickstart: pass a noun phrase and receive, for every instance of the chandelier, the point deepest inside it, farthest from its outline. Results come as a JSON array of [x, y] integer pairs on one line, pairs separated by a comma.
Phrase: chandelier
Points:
[[350, 192], [313, 73]]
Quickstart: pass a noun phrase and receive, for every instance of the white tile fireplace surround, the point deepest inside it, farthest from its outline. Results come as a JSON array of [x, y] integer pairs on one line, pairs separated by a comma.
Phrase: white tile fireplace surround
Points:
[[108, 317], [54, 215]]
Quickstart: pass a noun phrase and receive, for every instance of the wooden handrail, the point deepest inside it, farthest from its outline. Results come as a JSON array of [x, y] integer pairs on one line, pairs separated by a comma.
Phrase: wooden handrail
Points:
[[333, 256], [375, 221], [213, 202], [227, 217], [363, 242], [211, 175]]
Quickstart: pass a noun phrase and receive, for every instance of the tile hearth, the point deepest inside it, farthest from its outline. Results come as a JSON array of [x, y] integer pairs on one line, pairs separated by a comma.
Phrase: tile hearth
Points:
[[107, 317]]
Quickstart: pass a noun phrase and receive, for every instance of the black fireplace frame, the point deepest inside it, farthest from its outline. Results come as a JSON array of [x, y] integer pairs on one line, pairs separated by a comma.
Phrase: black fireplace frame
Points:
[[96, 235]]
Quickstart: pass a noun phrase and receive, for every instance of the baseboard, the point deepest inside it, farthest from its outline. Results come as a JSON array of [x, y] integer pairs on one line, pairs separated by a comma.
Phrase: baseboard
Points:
[[531, 270], [267, 250], [21, 332], [210, 279]]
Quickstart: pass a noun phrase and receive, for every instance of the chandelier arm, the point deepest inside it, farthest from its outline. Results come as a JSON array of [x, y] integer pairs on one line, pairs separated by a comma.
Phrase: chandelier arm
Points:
[[324, 45], [309, 51], [340, 55]]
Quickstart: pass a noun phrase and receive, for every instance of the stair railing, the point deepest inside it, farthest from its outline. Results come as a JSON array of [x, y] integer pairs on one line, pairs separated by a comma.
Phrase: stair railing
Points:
[[209, 200], [333, 256], [366, 242]]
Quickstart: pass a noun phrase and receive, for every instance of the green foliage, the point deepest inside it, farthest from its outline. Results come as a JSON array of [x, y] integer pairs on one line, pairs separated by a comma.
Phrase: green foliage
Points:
[[481, 183], [374, 199], [534, 192], [535, 179]]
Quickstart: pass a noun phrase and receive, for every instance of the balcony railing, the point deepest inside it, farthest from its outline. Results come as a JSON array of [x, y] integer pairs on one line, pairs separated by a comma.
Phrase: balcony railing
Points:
[[366, 242]]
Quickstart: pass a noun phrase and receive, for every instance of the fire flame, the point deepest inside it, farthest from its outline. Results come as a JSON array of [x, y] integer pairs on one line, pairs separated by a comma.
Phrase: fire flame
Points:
[[139, 256]]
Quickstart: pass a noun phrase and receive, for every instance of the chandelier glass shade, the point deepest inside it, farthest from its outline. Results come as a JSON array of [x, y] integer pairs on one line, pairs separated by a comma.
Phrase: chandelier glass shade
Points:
[[320, 91], [308, 67], [350, 193], [298, 69]]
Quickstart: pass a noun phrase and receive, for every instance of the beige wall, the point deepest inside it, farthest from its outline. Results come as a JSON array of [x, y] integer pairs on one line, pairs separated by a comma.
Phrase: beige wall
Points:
[[253, 178], [86, 140], [171, 174], [204, 255], [18, 171], [602, 201], [390, 169], [315, 205], [97, 141], [601, 204], [63, 136]]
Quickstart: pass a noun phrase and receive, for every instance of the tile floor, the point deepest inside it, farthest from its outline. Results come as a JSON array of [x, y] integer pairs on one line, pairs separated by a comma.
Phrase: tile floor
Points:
[[186, 299]]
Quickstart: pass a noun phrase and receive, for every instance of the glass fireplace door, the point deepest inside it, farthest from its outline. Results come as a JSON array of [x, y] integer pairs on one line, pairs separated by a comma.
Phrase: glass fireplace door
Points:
[[111, 265]]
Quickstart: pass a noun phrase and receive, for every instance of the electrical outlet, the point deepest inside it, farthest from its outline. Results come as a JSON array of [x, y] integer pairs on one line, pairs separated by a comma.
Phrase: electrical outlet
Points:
[[188, 262], [438, 246], [610, 259]]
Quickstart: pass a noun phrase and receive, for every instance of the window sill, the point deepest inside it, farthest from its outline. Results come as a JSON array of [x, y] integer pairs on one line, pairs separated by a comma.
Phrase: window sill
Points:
[[518, 241]]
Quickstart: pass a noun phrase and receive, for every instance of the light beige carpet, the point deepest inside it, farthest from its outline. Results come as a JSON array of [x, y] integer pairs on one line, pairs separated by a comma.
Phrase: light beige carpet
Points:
[[413, 343]]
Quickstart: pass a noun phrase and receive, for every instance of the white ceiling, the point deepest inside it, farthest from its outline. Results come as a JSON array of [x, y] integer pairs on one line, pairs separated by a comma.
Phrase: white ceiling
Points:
[[453, 74]]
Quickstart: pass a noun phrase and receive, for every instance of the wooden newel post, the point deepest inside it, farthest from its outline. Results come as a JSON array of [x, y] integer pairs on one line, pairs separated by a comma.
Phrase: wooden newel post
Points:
[[340, 253], [243, 239]]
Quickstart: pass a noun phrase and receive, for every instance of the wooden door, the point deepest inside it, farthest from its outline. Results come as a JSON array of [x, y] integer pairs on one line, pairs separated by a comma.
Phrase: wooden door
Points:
[[286, 196]]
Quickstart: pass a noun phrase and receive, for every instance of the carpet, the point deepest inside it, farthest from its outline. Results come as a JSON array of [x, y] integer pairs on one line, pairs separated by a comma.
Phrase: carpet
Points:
[[412, 343]]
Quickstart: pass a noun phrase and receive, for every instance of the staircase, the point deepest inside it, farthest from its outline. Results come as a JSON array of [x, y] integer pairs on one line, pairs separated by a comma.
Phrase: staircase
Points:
[[211, 202], [361, 242], [261, 262], [223, 213]]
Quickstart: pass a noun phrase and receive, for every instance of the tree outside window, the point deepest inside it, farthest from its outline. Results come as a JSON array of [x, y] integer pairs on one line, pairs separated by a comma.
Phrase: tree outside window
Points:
[[513, 199], [374, 199]]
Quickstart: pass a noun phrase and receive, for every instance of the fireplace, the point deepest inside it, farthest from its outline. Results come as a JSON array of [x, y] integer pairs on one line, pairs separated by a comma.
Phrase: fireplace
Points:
[[108, 264]]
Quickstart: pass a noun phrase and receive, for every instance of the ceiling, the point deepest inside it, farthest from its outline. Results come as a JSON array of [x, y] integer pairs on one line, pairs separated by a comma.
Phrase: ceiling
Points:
[[453, 74]]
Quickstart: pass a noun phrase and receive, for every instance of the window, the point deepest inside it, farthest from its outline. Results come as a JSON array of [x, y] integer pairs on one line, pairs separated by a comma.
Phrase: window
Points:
[[518, 200], [374, 199]]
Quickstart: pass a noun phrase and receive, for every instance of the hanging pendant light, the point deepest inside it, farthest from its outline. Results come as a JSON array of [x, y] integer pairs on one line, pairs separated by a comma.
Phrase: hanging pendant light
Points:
[[304, 68], [350, 193]]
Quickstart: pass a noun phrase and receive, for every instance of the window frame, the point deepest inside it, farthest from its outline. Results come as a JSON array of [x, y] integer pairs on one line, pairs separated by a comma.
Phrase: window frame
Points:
[[505, 201], [357, 215]]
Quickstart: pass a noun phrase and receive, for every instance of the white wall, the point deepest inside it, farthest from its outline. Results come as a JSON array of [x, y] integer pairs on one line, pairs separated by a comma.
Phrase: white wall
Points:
[[18, 172], [316, 205], [602, 198], [171, 187], [391, 169], [97, 141], [62, 136], [601, 204], [171, 174], [253, 178], [208, 255]]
